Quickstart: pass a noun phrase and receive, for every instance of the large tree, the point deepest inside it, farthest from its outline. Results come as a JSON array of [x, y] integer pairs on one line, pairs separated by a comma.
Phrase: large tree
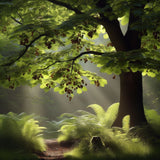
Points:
[[46, 41]]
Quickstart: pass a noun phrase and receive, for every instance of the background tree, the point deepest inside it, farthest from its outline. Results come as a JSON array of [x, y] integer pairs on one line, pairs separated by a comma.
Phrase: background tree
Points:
[[52, 38]]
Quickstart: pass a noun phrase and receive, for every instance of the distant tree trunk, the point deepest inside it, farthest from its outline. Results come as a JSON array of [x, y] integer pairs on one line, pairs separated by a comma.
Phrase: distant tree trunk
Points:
[[131, 99]]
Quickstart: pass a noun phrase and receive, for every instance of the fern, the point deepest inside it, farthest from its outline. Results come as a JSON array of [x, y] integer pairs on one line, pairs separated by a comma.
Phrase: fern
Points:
[[84, 124], [152, 116], [153, 119], [21, 131], [126, 123], [111, 114], [98, 110], [105, 118], [32, 133]]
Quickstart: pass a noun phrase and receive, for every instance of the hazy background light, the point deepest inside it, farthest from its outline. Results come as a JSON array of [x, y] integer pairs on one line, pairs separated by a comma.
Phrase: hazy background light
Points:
[[51, 104], [151, 92]]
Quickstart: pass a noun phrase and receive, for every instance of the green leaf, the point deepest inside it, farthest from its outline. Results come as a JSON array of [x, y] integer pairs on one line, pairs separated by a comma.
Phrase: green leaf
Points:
[[84, 89], [111, 114], [56, 89], [101, 29], [152, 116], [42, 86], [98, 110], [79, 91], [125, 19], [102, 82], [126, 123], [105, 36], [151, 74], [23, 132]]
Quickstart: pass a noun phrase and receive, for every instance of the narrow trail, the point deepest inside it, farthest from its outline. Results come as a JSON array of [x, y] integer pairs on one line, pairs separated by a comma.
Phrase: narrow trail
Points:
[[55, 150]]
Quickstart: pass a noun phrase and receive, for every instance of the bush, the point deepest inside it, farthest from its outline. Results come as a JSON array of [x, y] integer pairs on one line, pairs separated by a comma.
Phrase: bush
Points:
[[119, 143], [20, 132]]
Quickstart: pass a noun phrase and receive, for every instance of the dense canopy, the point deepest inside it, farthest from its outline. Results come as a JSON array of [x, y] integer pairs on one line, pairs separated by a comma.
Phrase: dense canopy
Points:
[[46, 41]]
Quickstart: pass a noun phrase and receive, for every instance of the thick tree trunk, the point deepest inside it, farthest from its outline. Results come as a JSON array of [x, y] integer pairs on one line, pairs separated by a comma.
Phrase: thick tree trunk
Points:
[[131, 94], [131, 99]]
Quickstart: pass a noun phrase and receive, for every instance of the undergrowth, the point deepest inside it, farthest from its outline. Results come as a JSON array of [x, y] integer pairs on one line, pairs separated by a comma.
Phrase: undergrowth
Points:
[[16, 155], [20, 133], [140, 142]]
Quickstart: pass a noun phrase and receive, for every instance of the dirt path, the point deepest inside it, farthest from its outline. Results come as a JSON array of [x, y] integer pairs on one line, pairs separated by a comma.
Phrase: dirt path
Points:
[[55, 150]]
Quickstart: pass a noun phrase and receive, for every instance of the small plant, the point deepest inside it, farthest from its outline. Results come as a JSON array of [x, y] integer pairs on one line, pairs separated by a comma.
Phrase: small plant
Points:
[[20, 132], [153, 119], [51, 130], [116, 143], [85, 124]]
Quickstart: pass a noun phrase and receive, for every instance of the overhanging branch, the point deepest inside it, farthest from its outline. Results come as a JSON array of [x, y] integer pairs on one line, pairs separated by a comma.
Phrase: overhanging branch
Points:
[[68, 6], [16, 20], [24, 51], [74, 58], [76, 10], [84, 53]]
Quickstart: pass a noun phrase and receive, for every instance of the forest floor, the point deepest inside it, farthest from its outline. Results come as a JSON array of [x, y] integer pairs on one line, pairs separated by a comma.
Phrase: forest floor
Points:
[[55, 150]]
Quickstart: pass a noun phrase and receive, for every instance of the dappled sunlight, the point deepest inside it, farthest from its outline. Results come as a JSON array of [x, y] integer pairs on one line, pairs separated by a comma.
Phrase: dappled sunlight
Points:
[[51, 104], [73, 80], [31, 100]]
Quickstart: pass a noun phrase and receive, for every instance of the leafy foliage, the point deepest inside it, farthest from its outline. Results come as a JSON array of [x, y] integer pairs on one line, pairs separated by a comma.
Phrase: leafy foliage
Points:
[[22, 132], [153, 119], [122, 143], [53, 38], [106, 118], [125, 122], [86, 124]]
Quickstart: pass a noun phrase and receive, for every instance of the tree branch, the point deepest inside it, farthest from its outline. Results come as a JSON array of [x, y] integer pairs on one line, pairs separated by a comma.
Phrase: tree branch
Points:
[[115, 34], [76, 10], [74, 58], [133, 36], [16, 20], [68, 6], [112, 27], [24, 51], [88, 52]]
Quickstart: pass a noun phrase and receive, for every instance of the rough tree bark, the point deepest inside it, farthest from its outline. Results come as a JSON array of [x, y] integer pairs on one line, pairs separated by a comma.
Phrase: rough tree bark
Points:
[[131, 99], [131, 89]]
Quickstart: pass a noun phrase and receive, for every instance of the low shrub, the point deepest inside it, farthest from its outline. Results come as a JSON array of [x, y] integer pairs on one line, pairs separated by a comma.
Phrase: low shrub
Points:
[[119, 143], [20, 132]]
